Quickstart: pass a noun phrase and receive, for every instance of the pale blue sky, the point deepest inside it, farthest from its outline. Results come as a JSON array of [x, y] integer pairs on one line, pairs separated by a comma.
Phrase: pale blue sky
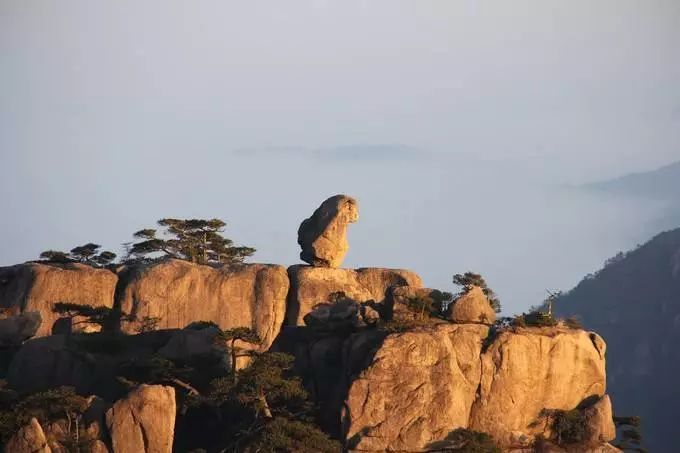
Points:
[[456, 124]]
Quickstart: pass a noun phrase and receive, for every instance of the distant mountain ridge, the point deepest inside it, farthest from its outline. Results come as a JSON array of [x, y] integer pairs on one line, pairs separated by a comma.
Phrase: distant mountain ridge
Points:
[[660, 184], [634, 303]]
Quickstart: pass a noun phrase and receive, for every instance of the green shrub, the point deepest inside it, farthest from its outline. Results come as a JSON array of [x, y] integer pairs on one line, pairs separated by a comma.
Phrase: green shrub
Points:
[[569, 427], [47, 406], [573, 323], [534, 319], [284, 435], [148, 324], [470, 279], [464, 440], [628, 435], [402, 325], [200, 325]]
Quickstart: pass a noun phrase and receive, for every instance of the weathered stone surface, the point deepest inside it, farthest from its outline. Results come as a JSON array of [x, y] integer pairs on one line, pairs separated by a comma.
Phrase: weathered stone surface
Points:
[[144, 421], [179, 292], [48, 362], [35, 287], [418, 387], [342, 315], [323, 235], [90, 363], [530, 369], [408, 391], [16, 329], [310, 286], [29, 439], [472, 306], [98, 446], [187, 344], [600, 419]]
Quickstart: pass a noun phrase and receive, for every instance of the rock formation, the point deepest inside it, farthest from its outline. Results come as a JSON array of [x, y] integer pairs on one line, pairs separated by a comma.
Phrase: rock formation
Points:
[[179, 292], [89, 362], [472, 306], [323, 235], [29, 439], [16, 329], [385, 378], [418, 387], [310, 286], [37, 287], [408, 391], [528, 370], [144, 421], [48, 362]]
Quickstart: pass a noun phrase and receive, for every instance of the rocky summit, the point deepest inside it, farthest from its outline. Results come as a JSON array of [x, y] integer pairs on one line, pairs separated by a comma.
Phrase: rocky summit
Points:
[[323, 236], [199, 348]]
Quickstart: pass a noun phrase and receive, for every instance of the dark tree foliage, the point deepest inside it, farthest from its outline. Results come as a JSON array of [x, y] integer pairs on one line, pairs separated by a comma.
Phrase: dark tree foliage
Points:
[[470, 279], [428, 306], [534, 319], [108, 319], [464, 440], [148, 324], [629, 437], [285, 435], [200, 325], [55, 256], [47, 406], [242, 334], [266, 409], [422, 307], [568, 427], [196, 240], [89, 253], [156, 370]]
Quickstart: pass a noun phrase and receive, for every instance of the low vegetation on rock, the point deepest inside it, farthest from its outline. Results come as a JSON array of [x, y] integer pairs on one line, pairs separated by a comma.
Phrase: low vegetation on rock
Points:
[[468, 280], [46, 407], [89, 253], [464, 440]]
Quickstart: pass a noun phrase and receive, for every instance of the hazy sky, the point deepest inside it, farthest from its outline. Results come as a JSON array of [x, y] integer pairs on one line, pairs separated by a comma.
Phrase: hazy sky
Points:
[[458, 125]]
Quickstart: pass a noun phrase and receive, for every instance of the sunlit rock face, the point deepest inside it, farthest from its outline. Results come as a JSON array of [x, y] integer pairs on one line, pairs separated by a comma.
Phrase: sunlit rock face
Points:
[[323, 236], [36, 287], [144, 421], [408, 391], [472, 306], [179, 293], [310, 286], [531, 369], [418, 387], [29, 439]]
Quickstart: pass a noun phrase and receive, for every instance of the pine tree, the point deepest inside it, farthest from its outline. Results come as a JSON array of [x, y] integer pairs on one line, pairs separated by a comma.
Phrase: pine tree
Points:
[[87, 254], [470, 279], [196, 240]]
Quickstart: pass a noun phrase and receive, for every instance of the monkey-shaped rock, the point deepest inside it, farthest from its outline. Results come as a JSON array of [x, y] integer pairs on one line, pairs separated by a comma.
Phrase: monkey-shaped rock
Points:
[[323, 236]]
